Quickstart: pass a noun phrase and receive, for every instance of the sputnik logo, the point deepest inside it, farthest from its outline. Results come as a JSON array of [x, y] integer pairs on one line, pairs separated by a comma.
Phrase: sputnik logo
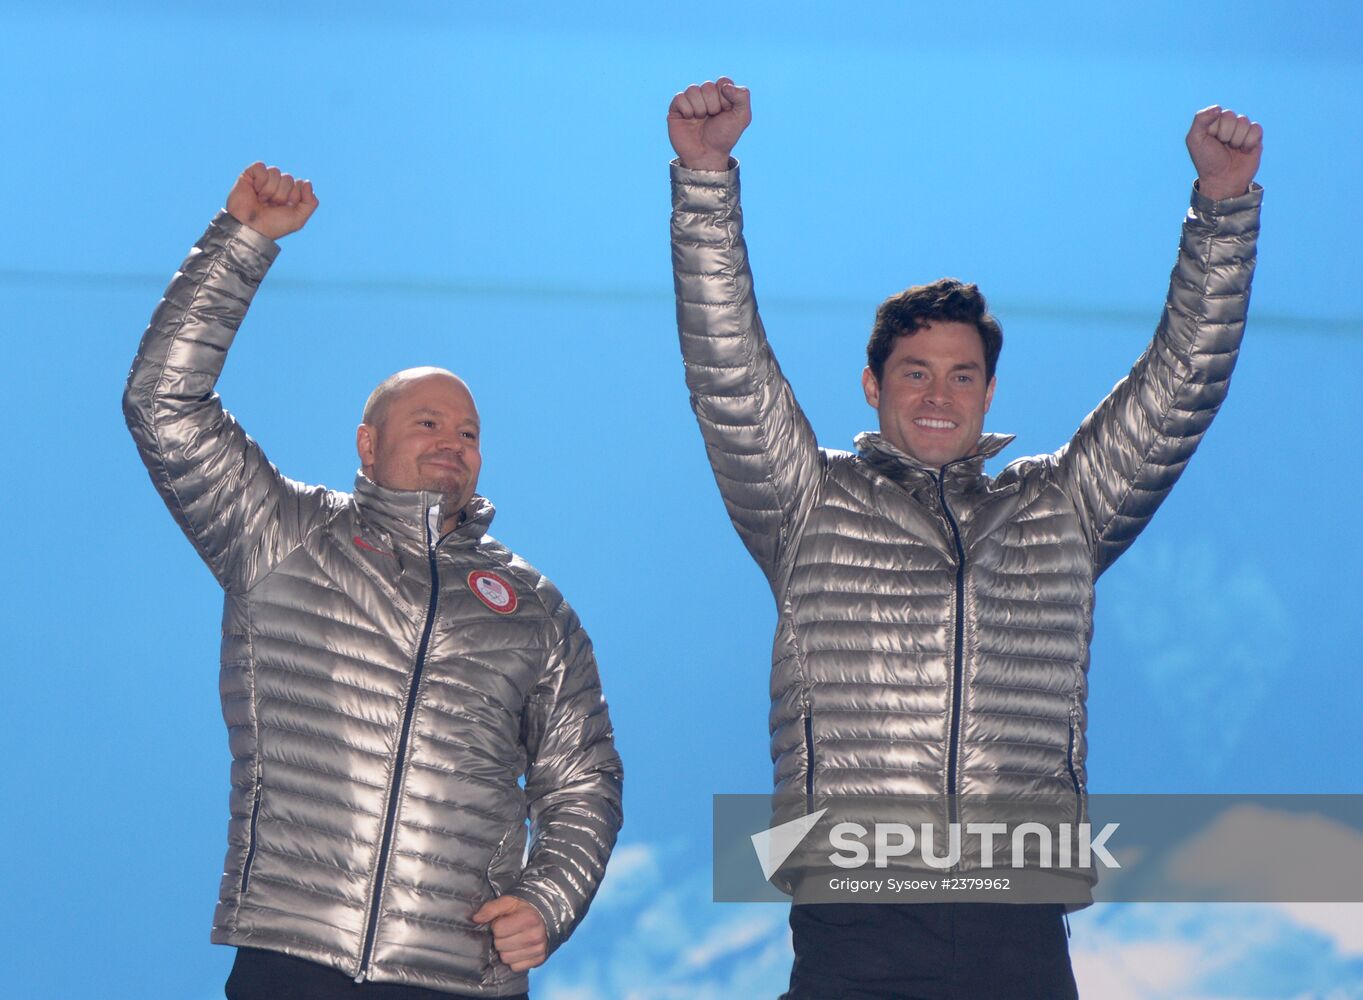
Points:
[[773, 846]]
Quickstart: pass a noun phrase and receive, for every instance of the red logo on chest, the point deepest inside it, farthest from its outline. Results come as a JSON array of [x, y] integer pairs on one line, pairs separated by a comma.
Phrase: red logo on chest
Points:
[[361, 543], [493, 591]]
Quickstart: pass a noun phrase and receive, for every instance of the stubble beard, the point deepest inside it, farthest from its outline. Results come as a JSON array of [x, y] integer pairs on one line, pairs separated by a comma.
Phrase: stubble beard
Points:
[[452, 500]]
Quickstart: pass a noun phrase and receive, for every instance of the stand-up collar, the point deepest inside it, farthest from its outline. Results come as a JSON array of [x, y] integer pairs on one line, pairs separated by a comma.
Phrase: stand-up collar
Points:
[[888, 460], [404, 513]]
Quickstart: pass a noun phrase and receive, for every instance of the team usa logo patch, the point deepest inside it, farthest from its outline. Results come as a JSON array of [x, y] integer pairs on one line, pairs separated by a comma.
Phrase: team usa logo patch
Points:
[[493, 591]]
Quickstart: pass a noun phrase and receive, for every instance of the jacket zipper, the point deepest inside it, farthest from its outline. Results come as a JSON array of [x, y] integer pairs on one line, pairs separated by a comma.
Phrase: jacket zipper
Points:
[[809, 761], [1069, 759], [1074, 775], [251, 851], [958, 666], [399, 768]]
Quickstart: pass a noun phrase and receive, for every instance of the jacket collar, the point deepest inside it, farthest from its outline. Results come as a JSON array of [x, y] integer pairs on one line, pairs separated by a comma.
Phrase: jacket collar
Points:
[[405, 513], [888, 460]]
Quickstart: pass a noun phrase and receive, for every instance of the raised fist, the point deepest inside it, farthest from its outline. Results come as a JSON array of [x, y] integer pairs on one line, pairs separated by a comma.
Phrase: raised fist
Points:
[[270, 202], [705, 121], [1225, 148]]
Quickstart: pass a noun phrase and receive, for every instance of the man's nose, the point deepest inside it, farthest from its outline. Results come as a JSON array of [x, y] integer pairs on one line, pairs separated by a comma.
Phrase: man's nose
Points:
[[452, 442]]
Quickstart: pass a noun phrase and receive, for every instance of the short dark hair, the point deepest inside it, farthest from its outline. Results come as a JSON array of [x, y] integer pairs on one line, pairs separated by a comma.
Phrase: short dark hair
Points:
[[914, 308]]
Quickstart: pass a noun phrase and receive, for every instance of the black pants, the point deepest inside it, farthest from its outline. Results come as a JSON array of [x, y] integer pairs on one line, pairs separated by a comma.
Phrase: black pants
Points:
[[930, 951], [269, 975]]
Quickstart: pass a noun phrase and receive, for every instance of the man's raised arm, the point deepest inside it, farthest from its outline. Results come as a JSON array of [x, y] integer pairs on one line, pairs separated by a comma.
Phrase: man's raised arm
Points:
[[236, 508], [1130, 451], [761, 447]]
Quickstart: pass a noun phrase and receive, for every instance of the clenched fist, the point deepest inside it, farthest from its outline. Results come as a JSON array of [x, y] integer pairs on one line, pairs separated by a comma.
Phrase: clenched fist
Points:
[[1225, 148], [270, 202], [705, 121]]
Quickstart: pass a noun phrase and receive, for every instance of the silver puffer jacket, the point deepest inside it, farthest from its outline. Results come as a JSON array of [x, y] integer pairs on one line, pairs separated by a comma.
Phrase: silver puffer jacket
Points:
[[934, 624], [384, 688]]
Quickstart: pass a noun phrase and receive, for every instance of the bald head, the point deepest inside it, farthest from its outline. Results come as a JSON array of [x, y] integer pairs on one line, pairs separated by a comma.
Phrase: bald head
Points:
[[379, 400], [421, 432]]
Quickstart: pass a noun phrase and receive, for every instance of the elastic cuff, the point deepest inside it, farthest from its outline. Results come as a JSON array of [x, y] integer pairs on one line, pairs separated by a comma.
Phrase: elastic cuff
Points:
[[1209, 206], [716, 177], [241, 232]]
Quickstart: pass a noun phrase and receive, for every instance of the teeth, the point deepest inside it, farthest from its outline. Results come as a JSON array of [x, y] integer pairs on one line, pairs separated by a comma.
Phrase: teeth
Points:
[[937, 424]]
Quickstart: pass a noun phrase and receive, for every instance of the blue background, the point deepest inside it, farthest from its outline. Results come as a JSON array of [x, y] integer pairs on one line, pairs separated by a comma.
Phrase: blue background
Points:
[[494, 199]]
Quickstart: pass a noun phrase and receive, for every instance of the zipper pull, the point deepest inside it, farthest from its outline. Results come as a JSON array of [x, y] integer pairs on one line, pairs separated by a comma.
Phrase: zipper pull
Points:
[[433, 527]]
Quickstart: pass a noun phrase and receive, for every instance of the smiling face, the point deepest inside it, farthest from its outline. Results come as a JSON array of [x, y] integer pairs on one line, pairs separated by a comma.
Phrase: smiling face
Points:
[[422, 433], [933, 393]]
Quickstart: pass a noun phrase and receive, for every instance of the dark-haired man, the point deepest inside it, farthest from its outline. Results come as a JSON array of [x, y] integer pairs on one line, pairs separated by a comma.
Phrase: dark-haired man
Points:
[[934, 622], [401, 690]]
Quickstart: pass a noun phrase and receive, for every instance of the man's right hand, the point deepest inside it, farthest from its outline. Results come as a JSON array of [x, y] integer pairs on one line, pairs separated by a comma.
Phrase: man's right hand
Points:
[[270, 202], [705, 121]]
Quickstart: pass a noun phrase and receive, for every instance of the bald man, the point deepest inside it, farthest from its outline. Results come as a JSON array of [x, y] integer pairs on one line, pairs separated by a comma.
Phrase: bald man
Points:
[[402, 692]]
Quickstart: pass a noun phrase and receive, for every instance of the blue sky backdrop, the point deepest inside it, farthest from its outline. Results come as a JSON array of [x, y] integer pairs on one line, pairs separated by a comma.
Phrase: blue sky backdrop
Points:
[[494, 199]]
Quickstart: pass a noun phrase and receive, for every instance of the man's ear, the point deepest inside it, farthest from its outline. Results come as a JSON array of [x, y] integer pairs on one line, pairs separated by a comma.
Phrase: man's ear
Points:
[[989, 393], [871, 386], [364, 444]]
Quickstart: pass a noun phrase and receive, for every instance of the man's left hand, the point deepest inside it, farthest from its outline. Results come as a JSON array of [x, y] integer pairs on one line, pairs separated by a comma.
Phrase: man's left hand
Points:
[[518, 931], [1225, 148]]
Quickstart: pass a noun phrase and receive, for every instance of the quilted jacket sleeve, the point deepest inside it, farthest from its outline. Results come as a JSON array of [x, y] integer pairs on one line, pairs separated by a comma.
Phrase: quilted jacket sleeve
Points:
[[241, 515], [761, 447], [572, 783], [1130, 451]]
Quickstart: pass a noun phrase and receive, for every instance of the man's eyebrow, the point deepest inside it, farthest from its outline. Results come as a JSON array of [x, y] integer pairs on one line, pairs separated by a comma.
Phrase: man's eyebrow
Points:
[[427, 411], [924, 363]]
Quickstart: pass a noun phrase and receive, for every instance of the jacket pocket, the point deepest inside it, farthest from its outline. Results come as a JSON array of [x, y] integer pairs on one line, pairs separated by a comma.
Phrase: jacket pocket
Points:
[[505, 865]]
